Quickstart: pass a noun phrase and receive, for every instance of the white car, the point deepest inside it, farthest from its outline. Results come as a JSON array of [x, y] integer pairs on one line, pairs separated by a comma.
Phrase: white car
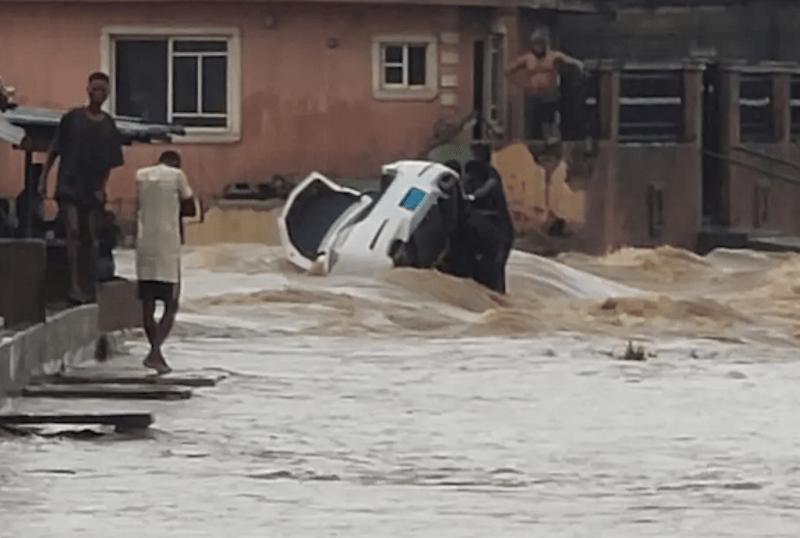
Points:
[[327, 228]]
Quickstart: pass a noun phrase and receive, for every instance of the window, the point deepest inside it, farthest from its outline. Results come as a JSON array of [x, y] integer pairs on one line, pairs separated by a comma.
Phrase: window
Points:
[[189, 78], [651, 106], [405, 68], [404, 65], [755, 108]]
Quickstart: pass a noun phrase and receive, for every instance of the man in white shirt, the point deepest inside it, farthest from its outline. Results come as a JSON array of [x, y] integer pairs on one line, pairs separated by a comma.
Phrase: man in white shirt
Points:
[[161, 190]]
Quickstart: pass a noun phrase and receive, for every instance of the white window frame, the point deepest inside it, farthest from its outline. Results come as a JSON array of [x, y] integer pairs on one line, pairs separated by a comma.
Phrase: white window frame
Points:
[[230, 133], [402, 91]]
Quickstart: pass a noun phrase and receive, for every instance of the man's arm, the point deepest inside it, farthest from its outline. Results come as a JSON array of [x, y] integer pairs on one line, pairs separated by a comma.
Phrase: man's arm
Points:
[[517, 64], [55, 149], [188, 208], [565, 59]]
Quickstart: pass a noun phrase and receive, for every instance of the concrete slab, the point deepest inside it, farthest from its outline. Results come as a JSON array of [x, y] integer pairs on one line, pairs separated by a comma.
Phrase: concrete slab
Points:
[[99, 378], [67, 339], [120, 421], [107, 391], [120, 307]]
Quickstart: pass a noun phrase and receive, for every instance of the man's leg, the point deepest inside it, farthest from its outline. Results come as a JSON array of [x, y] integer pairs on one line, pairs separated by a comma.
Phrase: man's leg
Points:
[[164, 327], [531, 118], [71, 227], [550, 116], [150, 327], [88, 253]]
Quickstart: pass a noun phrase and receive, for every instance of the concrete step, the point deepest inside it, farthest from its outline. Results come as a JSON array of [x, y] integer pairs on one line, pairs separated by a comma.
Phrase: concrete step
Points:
[[106, 391], [111, 379], [126, 421]]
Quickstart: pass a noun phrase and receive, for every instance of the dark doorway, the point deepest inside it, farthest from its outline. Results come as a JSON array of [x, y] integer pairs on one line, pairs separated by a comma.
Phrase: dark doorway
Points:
[[478, 76], [713, 167]]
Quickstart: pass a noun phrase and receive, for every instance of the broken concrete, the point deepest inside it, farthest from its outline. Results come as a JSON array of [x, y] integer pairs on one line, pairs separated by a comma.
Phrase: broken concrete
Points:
[[66, 339]]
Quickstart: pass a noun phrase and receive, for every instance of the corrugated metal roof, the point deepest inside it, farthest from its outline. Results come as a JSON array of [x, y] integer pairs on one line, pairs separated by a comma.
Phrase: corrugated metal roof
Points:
[[10, 133], [19, 119]]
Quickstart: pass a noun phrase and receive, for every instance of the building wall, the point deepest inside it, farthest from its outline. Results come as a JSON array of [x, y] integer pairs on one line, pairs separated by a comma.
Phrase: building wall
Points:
[[304, 106], [782, 197], [752, 31]]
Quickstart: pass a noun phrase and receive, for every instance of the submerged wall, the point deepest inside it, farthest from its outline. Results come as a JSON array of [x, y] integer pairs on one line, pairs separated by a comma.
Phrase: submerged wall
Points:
[[65, 339]]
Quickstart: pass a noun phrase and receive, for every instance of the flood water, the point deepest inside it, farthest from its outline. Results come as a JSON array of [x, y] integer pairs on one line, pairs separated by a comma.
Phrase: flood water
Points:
[[413, 404]]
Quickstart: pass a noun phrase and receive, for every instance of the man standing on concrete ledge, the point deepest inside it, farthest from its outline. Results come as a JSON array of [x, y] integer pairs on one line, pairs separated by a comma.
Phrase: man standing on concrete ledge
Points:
[[162, 190], [90, 146], [541, 84]]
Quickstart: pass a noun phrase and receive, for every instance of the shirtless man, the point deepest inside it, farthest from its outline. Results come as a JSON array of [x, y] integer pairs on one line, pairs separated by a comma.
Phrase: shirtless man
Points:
[[541, 84]]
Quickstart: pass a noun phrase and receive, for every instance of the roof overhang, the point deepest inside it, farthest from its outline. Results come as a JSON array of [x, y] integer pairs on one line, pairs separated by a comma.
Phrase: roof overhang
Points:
[[586, 6]]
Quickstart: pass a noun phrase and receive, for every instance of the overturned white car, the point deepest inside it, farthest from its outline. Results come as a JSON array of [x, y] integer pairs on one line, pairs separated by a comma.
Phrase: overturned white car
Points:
[[329, 228], [423, 215]]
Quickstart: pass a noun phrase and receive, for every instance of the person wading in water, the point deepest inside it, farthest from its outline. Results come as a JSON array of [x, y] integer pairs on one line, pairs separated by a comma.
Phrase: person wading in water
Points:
[[164, 196]]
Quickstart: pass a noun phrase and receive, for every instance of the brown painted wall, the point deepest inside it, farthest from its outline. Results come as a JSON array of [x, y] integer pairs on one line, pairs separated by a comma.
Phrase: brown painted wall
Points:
[[304, 106], [677, 169], [783, 205], [753, 31]]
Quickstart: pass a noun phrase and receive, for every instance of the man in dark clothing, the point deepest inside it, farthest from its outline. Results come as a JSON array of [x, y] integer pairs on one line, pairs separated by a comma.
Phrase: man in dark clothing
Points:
[[89, 146], [492, 232]]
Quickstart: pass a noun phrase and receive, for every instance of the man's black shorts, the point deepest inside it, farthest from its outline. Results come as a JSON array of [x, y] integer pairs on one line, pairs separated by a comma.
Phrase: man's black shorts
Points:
[[155, 289]]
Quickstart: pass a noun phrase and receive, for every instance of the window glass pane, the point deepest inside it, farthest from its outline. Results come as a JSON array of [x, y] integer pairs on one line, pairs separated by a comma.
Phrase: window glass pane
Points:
[[393, 75], [200, 46], [393, 54], [184, 84], [215, 84], [417, 65], [201, 122], [140, 79]]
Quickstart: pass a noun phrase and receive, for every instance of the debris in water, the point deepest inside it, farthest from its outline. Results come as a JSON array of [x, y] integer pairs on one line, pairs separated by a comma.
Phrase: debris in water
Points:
[[102, 349], [735, 374], [632, 354]]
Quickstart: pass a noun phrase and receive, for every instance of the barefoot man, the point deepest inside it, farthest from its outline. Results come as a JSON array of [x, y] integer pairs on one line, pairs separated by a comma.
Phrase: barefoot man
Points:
[[90, 146], [540, 83], [161, 190]]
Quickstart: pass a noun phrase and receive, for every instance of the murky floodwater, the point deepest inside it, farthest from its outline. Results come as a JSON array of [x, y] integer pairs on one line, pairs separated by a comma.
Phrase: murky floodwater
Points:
[[417, 405]]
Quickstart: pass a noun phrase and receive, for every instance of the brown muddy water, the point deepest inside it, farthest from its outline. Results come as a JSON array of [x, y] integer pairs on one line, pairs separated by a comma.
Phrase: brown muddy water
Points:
[[415, 404]]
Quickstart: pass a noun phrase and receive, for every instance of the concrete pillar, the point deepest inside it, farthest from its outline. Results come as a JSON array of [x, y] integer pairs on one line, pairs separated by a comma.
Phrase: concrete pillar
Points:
[[731, 136], [781, 107], [449, 47], [608, 102], [731, 116], [22, 278], [508, 20], [693, 105]]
